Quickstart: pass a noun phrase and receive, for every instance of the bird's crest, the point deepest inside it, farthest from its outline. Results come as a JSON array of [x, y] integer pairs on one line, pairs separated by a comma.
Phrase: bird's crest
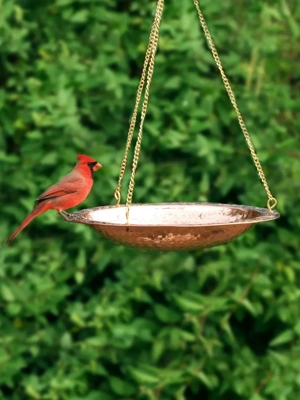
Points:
[[84, 158]]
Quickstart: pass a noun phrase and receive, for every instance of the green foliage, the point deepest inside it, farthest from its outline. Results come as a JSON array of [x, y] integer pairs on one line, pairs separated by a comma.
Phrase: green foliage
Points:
[[81, 318]]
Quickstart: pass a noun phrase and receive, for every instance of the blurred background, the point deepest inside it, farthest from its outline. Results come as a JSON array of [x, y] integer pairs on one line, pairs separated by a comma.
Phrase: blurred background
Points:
[[84, 319]]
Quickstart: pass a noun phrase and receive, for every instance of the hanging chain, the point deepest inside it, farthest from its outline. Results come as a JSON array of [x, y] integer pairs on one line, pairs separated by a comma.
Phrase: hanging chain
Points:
[[146, 76], [153, 43], [271, 204]]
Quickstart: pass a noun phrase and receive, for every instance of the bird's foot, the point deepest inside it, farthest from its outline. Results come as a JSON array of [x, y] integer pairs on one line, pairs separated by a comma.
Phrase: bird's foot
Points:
[[64, 213], [66, 216]]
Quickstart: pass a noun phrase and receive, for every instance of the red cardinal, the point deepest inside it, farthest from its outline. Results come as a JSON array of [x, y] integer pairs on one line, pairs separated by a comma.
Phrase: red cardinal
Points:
[[70, 191]]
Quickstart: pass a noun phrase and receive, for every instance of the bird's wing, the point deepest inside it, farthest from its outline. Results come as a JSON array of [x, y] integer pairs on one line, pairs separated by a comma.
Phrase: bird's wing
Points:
[[63, 187]]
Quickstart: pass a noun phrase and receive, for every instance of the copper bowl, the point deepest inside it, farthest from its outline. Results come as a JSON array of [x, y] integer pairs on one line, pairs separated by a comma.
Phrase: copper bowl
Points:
[[172, 226]]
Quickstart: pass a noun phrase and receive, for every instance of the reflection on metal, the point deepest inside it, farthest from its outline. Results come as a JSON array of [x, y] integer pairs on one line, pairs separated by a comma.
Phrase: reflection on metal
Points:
[[173, 226]]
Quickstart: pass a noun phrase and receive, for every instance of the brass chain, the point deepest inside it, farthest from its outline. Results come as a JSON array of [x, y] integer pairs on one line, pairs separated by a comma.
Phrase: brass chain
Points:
[[271, 204], [146, 77]]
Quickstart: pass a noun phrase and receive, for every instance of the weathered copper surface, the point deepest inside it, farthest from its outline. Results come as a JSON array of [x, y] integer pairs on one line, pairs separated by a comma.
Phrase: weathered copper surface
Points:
[[173, 226]]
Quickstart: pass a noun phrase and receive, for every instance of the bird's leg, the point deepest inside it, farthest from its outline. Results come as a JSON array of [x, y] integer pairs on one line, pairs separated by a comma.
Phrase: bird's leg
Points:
[[64, 213], [66, 216]]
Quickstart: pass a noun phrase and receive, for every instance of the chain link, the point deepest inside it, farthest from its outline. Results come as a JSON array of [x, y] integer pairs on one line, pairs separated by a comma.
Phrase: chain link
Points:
[[271, 204], [146, 76], [153, 43]]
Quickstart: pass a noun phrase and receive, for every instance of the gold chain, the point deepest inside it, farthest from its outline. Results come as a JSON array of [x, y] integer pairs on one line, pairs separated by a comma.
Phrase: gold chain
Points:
[[117, 192], [146, 76], [271, 204]]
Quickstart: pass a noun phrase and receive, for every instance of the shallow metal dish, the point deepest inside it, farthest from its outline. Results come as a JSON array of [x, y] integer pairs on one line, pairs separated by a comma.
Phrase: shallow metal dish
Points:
[[173, 226]]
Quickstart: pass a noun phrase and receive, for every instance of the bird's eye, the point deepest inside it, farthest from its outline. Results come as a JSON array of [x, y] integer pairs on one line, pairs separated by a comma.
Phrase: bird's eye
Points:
[[92, 164]]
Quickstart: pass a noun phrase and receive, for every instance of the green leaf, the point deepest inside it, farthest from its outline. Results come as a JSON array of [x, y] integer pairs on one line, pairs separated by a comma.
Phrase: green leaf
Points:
[[122, 387], [204, 379], [284, 337], [145, 375], [166, 314], [80, 17], [6, 292], [158, 348], [189, 302], [280, 358]]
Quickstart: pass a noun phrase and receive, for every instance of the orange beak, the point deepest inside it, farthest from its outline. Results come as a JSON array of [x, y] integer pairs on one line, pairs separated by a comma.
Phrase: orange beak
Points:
[[97, 166]]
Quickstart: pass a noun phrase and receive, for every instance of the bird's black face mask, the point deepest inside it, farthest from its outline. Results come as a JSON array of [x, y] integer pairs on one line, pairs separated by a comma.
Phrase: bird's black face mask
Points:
[[92, 166]]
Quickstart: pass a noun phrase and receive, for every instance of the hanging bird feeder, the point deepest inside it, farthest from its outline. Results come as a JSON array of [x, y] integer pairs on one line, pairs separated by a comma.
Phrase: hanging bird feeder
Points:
[[173, 226]]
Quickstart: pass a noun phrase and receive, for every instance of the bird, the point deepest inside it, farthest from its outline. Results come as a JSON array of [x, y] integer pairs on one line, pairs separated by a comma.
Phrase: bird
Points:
[[68, 192]]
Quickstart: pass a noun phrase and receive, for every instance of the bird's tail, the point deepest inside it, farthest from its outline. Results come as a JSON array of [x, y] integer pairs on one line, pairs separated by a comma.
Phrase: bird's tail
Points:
[[39, 209]]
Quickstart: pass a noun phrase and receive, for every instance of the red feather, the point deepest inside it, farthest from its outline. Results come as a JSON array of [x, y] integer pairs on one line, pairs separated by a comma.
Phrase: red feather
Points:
[[85, 159], [70, 191]]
